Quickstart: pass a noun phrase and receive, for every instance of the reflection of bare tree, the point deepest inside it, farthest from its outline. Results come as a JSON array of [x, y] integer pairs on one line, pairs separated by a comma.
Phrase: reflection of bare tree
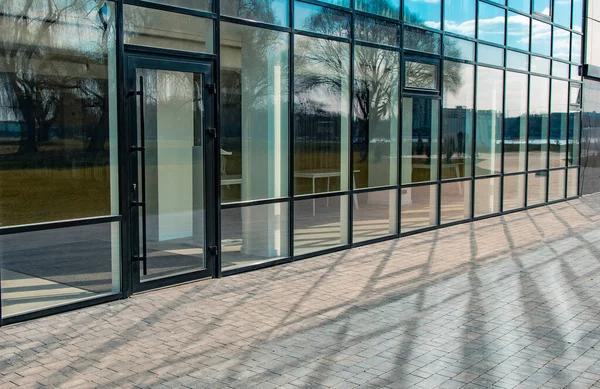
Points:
[[250, 9]]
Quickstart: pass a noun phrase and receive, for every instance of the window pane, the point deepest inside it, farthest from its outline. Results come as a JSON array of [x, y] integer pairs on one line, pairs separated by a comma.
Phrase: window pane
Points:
[[515, 124], [322, 115], [517, 61], [541, 36], [576, 48], [456, 201], [420, 128], [521, 5], [44, 269], [420, 75], [540, 65], [341, 3], [424, 13], [558, 123], [459, 48], [518, 31], [560, 69], [419, 208], [266, 11], [167, 30], [556, 186], [575, 96], [421, 40], [58, 112], [561, 45], [488, 141], [573, 182], [322, 20], [253, 235], [562, 12], [490, 55], [541, 7], [573, 139], [376, 31], [387, 8], [487, 196], [577, 15], [536, 188], [538, 122], [514, 192], [254, 103], [320, 224], [575, 73], [201, 5], [491, 23], [457, 130], [460, 17], [375, 132], [374, 215]]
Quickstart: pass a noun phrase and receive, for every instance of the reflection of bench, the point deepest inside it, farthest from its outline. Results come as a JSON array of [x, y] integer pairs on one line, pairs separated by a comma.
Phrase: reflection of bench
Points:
[[455, 166], [324, 173]]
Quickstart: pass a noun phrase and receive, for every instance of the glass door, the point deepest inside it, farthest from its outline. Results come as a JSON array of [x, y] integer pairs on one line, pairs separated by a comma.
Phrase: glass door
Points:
[[171, 114]]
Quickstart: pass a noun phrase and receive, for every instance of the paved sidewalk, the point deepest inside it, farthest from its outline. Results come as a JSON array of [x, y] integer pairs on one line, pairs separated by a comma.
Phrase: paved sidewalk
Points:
[[505, 302]]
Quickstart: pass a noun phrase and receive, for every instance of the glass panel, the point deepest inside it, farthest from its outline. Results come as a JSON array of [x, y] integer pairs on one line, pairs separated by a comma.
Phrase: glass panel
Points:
[[541, 37], [575, 75], [457, 130], [58, 111], [420, 128], [387, 8], [501, 2], [459, 17], [576, 48], [515, 124], [575, 96], [540, 65], [420, 75], [375, 132], [560, 69], [538, 122], [322, 115], [456, 201], [254, 119], [167, 30], [487, 196], [374, 215], [556, 186], [490, 55], [175, 204], [574, 138], [376, 31], [577, 15], [201, 5], [419, 208], [562, 12], [558, 123], [254, 235], [459, 48], [541, 7], [514, 192], [44, 269], [424, 13], [536, 188], [518, 31], [517, 61], [320, 224], [491, 23], [521, 5], [323, 20], [561, 45], [573, 181], [341, 3], [266, 11], [421, 40], [488, 141]]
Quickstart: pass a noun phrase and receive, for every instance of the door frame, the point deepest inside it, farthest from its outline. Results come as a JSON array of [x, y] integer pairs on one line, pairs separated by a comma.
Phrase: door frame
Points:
[[160, 59]]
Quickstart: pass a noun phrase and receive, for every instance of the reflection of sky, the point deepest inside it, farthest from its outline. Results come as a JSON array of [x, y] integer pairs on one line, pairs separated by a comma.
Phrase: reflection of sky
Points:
[[516, 94], [541, 6], [518, 31], [577, 15], [521, 5], [541, 34], [576, 49], [491, 23], [428, 12], [343, 3], [460, 17], [562, 44], [489, 84], [562, 12], [464, 95]]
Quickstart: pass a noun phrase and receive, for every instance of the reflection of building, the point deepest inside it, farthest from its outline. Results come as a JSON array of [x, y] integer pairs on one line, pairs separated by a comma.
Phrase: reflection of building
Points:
[[141, 146]]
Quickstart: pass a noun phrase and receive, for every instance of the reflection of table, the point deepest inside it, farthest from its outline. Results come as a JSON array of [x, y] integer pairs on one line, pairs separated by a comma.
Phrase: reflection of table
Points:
[[455, 166], [314, 174], [226, 180]]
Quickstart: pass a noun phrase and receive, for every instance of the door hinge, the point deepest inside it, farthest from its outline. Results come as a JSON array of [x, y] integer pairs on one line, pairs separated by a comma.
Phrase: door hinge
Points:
[[211, 132], [214, 250], [212, 88]]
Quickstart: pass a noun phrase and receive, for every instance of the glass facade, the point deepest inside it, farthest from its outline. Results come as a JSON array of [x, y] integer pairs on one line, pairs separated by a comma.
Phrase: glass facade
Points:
[[336, 126]]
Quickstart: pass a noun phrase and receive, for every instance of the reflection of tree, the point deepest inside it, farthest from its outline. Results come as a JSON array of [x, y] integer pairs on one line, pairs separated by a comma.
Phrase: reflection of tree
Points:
[[250, 9]]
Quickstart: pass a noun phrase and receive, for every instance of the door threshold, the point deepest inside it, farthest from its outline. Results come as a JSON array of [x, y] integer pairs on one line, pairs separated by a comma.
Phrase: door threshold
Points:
[[171, 286]]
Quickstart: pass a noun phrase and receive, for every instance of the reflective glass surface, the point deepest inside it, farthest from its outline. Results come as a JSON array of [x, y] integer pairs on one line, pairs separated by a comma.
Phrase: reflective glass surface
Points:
[[459, 48], [460, 17], [341, 3], [517, 31], [457, 129], [513, 192], [376, 31], [541, 37], [557, 184], [266, 11], [254, 104], [540, 65], [558, 123], [420, 75], [322, 20], [488, 140], [321, 115], [490, 55], [572, 182], [577, 22], [560, 69], [420, 128], [574, 136], [561, 44], [562, 12], [456, 201], [576, 48], [487, 196], [425, 13], [521, 5], [491, 23], [536, 188], [541, 7], [515, 122], [375, 131], [419, 207], [201, 5], [320, 224], [421, 40], [517, 61], [387, 8], [538, 122], [374, 215]]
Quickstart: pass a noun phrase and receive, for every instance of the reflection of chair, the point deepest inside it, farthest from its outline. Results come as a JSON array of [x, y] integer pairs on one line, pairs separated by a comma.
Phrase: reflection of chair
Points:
[[226, 180]]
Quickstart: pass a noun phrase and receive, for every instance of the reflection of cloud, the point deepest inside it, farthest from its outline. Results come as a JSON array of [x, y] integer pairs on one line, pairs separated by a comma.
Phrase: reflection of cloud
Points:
[[464, 28], [425, 1], [436, 25]]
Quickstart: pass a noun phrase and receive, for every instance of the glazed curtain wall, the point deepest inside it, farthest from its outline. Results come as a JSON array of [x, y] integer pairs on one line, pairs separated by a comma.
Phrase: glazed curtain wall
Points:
[[344, 122]]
